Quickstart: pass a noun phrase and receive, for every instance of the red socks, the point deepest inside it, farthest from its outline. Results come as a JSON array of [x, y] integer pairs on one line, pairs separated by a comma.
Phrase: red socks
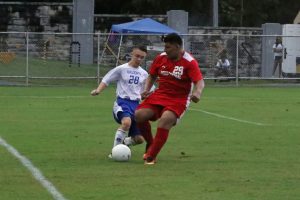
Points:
[[146, 132], [153, 146], [158, 142]]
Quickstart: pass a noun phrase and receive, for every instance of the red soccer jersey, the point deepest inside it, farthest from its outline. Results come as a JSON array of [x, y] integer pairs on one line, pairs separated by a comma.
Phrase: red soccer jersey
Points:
[[175, 78]]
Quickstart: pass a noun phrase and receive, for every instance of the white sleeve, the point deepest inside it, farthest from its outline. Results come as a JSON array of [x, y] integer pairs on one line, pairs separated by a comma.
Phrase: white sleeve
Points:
[[227, 63], [218, 63], [112, 75]]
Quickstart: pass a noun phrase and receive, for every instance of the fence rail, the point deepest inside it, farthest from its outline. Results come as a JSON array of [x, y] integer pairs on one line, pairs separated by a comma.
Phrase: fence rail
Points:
[[30, 58]]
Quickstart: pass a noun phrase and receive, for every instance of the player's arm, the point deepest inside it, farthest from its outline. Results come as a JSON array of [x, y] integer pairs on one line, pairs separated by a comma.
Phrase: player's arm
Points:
[[196, 76], [198, 88], [148, 85], [153, 72], [111, 76], [99, 89]]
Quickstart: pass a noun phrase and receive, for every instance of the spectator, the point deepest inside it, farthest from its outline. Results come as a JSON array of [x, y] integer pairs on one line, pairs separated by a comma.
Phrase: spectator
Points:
[[277, 49], [222, 67]]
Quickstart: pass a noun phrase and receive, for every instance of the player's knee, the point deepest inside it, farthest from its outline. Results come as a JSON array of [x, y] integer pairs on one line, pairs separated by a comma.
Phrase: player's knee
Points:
[[143, 115], [166, 122], [126, 124]]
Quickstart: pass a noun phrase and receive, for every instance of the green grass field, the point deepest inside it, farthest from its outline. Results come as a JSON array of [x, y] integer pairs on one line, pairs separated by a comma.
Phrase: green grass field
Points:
[[38, 67], [236, 144]]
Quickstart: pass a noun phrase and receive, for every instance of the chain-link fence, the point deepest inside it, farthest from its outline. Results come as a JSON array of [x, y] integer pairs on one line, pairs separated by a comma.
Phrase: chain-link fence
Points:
[[61, 59]]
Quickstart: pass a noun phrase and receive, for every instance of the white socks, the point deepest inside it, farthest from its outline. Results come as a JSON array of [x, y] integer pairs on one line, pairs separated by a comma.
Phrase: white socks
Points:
[[119, 137]]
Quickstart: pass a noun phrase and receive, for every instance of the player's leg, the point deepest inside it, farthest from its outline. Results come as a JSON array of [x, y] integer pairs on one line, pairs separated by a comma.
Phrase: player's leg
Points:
[[143, 114], [121, 113], [145, 129], [134, 135], [133, 140], [122, 131], [166, 122]]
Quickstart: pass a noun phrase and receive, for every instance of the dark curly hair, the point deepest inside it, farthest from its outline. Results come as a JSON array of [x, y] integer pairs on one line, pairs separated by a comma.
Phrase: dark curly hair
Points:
[[173, 38]]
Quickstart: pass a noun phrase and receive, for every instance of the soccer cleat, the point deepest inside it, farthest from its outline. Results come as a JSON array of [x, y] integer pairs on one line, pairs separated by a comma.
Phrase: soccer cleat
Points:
[[150, 161], [109, 156], [128, 141], [144, 156]]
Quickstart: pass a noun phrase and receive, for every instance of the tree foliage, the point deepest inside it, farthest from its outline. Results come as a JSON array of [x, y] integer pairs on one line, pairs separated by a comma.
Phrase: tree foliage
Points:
[[231, 12]]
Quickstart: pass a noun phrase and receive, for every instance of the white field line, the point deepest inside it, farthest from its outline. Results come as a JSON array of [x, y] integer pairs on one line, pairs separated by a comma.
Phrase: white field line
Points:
[[230, 118], [37, 174]]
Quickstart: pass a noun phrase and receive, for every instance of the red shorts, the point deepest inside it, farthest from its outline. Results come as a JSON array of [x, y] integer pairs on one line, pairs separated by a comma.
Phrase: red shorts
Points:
[[159, 105]]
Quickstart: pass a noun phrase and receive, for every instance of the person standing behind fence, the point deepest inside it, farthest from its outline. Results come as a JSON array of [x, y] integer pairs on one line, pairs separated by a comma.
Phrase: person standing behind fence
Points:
[[277, 49]]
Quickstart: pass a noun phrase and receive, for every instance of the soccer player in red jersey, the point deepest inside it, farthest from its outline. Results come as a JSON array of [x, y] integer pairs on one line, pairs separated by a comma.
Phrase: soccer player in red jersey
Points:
[[179, 82]]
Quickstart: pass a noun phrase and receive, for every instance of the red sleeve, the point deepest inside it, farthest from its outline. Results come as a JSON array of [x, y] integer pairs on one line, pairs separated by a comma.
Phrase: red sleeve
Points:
[[155, 66], [194, 72]]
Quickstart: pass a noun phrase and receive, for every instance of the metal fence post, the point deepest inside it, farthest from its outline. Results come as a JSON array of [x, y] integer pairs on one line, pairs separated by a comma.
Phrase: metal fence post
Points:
[[119, 49], [237, 61], [98, 58], [27, 58]]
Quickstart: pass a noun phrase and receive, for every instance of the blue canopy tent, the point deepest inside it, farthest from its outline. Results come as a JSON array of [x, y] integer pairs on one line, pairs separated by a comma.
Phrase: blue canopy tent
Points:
[[143, 26], [147, 26]]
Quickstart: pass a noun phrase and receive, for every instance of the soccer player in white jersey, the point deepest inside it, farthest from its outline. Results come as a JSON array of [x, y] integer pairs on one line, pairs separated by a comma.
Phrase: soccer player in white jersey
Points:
[[130, 78]]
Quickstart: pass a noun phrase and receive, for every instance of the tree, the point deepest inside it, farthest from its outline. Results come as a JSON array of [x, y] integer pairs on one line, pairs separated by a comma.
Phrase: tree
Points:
[[231, 12]]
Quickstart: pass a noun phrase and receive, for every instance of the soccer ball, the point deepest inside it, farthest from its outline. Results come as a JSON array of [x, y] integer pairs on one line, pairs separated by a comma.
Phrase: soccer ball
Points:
[[121, 153]]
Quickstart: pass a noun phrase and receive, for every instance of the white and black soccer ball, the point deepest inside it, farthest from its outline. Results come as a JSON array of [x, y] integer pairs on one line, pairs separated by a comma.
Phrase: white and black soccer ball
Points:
[[121, 153]]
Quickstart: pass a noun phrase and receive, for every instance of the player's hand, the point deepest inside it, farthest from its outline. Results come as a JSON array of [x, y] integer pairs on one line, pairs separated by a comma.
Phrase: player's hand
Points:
[[145, 94], [195, 97], [94, 92]]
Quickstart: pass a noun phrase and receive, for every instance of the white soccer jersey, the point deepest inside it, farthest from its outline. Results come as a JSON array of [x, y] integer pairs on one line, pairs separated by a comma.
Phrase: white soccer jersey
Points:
[[130, 81]]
